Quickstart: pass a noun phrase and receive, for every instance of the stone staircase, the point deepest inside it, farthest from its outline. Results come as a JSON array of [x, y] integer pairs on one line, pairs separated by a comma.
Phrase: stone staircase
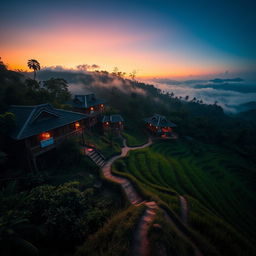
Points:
[[97, 157]]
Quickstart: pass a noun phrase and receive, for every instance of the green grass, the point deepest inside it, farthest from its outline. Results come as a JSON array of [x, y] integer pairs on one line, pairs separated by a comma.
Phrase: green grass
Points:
[[115, 238], [134, 139], [107, 145], [135, 133], [214, 180], [164, 237]]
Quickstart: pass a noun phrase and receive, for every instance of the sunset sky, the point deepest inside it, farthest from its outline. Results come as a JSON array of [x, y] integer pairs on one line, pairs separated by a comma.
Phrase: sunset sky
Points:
[[154, 37]]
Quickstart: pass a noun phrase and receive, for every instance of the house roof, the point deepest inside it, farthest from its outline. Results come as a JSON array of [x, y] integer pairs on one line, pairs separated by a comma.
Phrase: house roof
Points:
[[160, 121], [32, 120], [86, 101], [112, 118]]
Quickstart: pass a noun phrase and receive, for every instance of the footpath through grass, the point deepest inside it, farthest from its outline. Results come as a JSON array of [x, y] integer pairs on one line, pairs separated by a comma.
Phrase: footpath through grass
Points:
[[216, 182], [115, 237]]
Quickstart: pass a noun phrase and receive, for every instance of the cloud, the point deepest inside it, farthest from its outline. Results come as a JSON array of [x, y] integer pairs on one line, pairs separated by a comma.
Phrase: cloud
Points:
[[81, 81], [81, 67], [227, 99]]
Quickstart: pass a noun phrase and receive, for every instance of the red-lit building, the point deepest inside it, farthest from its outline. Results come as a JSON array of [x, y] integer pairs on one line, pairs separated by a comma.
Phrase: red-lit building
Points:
[[113, 123], [91, 106], [41, 128], [159, 125]]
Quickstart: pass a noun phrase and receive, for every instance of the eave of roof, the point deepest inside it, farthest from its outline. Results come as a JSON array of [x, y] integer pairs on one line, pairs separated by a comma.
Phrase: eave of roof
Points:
[[28, 129], [89, 104], [157, 121]]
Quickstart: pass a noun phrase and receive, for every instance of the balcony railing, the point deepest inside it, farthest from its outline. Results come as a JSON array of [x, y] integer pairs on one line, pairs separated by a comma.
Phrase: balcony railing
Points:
[[37, 150]]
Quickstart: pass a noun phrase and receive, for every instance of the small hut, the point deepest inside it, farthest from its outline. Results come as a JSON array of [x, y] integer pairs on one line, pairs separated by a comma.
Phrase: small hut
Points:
[[90, 105], [41, 128], [113, 123], [159, 125]]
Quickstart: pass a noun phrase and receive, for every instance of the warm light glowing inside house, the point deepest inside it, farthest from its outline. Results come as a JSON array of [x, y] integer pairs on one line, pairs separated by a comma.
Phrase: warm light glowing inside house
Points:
[[102, 105], [77, 125], [91, 108], [166, 129], [45, 135], [107, 123]]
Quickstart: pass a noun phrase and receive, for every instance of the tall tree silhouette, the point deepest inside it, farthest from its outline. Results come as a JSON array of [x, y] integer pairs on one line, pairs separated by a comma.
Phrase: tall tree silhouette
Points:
[[35, 65]]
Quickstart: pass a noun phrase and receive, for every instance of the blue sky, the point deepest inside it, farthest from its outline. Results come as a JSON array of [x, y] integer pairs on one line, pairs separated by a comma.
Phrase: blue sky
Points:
[[175, 37]]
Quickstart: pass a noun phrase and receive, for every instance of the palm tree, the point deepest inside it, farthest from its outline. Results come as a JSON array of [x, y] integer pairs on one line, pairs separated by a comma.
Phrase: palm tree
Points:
[[35, 65]]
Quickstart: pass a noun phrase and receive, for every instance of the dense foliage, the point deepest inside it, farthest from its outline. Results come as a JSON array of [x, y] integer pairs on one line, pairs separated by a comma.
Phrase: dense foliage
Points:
[[68, 203], [136, 101]]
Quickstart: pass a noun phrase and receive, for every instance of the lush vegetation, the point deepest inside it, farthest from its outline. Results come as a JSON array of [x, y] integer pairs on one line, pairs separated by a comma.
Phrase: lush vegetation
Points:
[[107, 143], [217, 183], [136, 101], [166, 240], [53, 211], [115, 236], [69, 203]]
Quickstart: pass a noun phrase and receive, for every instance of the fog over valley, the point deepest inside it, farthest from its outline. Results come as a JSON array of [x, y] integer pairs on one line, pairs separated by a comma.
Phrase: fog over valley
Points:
[[229, 93]]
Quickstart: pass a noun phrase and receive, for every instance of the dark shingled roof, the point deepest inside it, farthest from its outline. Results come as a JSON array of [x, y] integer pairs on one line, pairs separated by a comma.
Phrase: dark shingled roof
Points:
[[86, 101], [112, 119], [160, 121], [32, 120]]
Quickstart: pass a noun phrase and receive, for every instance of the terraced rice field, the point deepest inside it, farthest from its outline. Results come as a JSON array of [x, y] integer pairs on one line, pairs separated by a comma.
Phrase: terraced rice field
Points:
[[217, 183]]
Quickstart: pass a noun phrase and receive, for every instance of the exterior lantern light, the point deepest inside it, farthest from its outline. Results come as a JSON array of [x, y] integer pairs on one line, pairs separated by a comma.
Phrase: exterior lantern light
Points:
[[107, 123], [91, 108], [45, 135], [77, 125], [102, 105]]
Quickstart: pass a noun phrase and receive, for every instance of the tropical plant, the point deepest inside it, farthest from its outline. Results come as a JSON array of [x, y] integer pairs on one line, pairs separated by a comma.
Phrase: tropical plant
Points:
[[10, 240], [35, 65]]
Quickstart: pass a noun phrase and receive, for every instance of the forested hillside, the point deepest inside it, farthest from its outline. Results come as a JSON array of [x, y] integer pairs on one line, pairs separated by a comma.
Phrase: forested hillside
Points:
[[201, 163]]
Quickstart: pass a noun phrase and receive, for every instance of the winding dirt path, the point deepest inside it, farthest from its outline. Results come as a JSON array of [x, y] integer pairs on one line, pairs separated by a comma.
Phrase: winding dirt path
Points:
[[184, 209], [140, 240]]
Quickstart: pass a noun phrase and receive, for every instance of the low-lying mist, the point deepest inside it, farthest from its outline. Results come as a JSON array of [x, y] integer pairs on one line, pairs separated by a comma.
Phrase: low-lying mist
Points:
[[228, 94]]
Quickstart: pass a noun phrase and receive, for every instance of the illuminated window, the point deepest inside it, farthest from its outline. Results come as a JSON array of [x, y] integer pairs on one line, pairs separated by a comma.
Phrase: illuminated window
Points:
[[91, 108], [107, 123], [102, 105], [77, 125], [45, 135]]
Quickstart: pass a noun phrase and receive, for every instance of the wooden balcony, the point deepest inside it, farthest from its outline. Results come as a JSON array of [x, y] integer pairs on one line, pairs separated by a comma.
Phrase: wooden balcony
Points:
[[38, 150]]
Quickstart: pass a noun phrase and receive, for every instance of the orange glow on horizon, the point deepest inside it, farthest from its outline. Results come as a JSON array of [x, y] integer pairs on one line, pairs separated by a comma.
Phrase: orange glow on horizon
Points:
[[108, 49]]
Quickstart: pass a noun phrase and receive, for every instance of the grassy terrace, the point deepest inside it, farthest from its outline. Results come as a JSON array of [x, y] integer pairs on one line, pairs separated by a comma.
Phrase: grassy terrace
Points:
[[108, 146], [215, 182], [114, 238]]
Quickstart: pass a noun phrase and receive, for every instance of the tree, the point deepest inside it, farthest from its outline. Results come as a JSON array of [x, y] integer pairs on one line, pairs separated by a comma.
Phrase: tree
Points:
[[132, 75], [35, 65], [2, 65], [32, 84], [187, 97], [57, 89], [7, 122]]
